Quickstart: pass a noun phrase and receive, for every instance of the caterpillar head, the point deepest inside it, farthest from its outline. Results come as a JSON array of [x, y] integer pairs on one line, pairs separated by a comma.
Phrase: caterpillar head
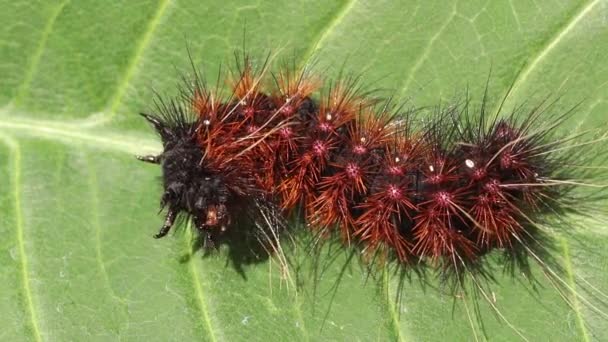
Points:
[[190, 187]]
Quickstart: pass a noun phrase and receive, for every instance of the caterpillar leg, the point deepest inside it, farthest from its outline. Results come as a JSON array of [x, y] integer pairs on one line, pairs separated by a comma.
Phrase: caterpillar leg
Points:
[[203, 228], [169, 219], [209, 241], [149, 159]]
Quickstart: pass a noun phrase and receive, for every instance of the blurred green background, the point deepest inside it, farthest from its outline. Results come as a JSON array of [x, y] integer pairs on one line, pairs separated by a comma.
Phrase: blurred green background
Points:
[[77, 211]]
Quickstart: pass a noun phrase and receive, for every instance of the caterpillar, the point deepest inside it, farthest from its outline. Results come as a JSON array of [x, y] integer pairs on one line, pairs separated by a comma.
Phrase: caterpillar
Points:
[[442, 186]]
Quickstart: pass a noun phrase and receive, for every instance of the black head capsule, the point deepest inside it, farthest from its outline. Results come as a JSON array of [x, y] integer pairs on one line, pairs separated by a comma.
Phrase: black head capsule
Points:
[[189, 188]]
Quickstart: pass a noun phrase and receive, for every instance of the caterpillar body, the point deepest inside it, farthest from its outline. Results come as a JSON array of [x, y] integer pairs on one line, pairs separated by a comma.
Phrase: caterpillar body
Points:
[[443, 186]]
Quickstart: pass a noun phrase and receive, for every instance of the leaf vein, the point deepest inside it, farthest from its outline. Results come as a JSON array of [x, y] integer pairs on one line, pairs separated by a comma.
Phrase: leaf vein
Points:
[[16, 152], [121, 87], [33, 65], [427, 50], [580, 321], [97, 226], [328, 29], [199, 293], [394, 315], [523, 74]]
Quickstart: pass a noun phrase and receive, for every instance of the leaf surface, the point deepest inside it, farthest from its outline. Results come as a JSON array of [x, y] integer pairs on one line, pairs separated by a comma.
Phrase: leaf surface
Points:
[[78, 211]]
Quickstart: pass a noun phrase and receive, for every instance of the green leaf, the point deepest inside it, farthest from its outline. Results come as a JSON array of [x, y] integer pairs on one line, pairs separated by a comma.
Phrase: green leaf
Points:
[[78, 211]]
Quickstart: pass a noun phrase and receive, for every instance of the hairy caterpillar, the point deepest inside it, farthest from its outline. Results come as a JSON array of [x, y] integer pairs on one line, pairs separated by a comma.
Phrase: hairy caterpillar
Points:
[[443, 189]]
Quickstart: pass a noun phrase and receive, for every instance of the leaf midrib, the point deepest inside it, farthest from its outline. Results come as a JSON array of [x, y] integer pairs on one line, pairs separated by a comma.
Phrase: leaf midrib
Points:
[[80, 131]]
